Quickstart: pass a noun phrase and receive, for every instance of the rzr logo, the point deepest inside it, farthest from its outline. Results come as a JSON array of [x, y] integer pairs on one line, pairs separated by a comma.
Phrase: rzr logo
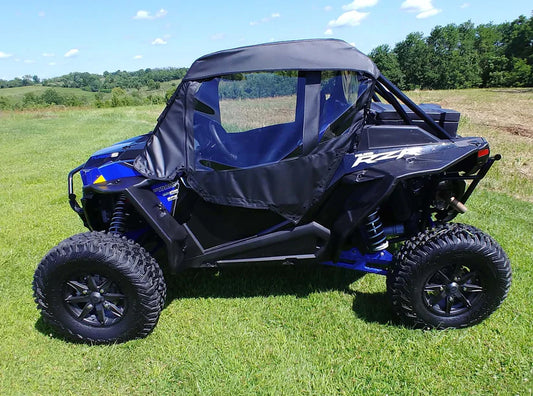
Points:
[[372, 158]]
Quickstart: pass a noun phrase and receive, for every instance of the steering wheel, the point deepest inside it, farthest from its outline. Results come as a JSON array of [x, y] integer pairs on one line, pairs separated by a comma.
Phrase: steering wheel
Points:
[[218, 142]]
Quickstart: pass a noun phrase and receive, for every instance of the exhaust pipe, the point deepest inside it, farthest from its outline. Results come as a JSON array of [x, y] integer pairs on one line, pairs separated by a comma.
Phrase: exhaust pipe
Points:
[[458, 205]]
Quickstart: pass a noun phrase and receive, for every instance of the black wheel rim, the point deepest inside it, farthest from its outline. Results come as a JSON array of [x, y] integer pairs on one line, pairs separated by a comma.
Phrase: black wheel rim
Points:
[[95, 300], [453, 290]]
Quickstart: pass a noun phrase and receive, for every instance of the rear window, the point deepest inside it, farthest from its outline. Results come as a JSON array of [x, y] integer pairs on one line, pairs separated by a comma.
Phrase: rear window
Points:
[[340, 90], [255, 100]]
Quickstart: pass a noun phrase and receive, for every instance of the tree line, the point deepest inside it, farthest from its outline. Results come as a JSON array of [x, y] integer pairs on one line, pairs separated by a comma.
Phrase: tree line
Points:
[[257, 85], [461, 56], [49, 97], [150, 78]]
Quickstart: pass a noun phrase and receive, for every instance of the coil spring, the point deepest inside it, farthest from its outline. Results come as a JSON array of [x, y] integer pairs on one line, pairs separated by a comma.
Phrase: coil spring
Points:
[[118, 221], [374, 231]]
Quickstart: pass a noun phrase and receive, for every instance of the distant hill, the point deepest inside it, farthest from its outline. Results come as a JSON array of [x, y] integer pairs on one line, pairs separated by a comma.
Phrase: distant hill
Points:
[[120, 88], [17, 94], [147, 78], [39, 95]]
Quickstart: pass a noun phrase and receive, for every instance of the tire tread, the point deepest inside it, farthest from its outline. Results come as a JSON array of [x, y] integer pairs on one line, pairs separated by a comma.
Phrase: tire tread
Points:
[[413, 253], [128, 258]]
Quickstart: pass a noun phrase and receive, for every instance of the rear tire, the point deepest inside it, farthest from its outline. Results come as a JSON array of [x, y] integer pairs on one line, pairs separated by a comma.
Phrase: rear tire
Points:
[[99, 288], [450, 277]]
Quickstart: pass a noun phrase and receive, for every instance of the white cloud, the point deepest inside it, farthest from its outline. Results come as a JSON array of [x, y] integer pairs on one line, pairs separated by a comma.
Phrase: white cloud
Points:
[[423, 8], [274, 15], [3, 55], [159, 41], [29, 61], [48, 54], [428, 13], [350, 18], [52, 64], [358, 4], [41, 14], [328, 8], [72, 52], [464, 5], [218, 36], [138, 57], [143, 14]]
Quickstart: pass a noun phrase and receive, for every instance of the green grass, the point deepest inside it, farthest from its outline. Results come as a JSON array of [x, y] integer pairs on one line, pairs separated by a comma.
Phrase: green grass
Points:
[[505, 118], [266, 331]]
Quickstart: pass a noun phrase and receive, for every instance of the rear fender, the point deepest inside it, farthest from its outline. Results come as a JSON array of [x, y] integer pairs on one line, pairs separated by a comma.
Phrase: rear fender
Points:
[[405, 162], [374, 173]]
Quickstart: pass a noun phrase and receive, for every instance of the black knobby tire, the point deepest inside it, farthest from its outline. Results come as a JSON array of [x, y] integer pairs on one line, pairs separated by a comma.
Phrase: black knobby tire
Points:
[[452, 276], [99, 288]]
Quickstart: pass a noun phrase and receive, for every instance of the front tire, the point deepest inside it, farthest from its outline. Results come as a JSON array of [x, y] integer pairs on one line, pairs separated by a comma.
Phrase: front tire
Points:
[[99, 288], [450, 277]]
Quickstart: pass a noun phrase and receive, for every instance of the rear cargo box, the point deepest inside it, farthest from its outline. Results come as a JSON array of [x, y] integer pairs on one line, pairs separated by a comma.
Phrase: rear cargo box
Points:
[[384, 114]]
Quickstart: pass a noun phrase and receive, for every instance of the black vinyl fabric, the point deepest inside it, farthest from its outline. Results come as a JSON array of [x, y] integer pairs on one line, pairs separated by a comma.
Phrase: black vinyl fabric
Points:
[[317, 55], [289, 188], [167, 150]]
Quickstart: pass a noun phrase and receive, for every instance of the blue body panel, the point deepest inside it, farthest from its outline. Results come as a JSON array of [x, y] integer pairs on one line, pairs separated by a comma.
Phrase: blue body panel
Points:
[[109, 171], [370, 263], [166, 192], [134, 142], [108, 165]]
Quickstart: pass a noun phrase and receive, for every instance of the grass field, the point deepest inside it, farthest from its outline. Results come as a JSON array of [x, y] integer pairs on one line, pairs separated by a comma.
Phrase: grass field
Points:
[[16, 95], [504, 117], [268, 331]]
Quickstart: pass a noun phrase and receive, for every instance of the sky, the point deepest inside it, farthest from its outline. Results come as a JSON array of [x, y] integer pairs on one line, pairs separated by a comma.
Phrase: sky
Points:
[[55, 37]]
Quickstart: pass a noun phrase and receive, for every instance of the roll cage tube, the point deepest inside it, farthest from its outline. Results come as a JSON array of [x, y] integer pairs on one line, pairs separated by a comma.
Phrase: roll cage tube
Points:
[[383, 85], [476, 178], [394, 102]]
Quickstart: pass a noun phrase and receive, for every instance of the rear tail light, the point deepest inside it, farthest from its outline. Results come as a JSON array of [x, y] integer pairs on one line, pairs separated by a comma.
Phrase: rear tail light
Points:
[[483, 152]]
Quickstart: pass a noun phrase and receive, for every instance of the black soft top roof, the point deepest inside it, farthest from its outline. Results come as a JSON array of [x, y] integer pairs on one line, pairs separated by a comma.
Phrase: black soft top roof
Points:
[[317, 54]]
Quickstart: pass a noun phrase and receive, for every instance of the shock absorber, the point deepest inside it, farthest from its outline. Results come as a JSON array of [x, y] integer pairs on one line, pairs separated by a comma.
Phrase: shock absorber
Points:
[[374, 230], [118, 221]]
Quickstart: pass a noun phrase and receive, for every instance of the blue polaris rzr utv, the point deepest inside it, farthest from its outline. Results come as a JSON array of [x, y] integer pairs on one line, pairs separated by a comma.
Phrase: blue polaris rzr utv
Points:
[[294, 152]]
